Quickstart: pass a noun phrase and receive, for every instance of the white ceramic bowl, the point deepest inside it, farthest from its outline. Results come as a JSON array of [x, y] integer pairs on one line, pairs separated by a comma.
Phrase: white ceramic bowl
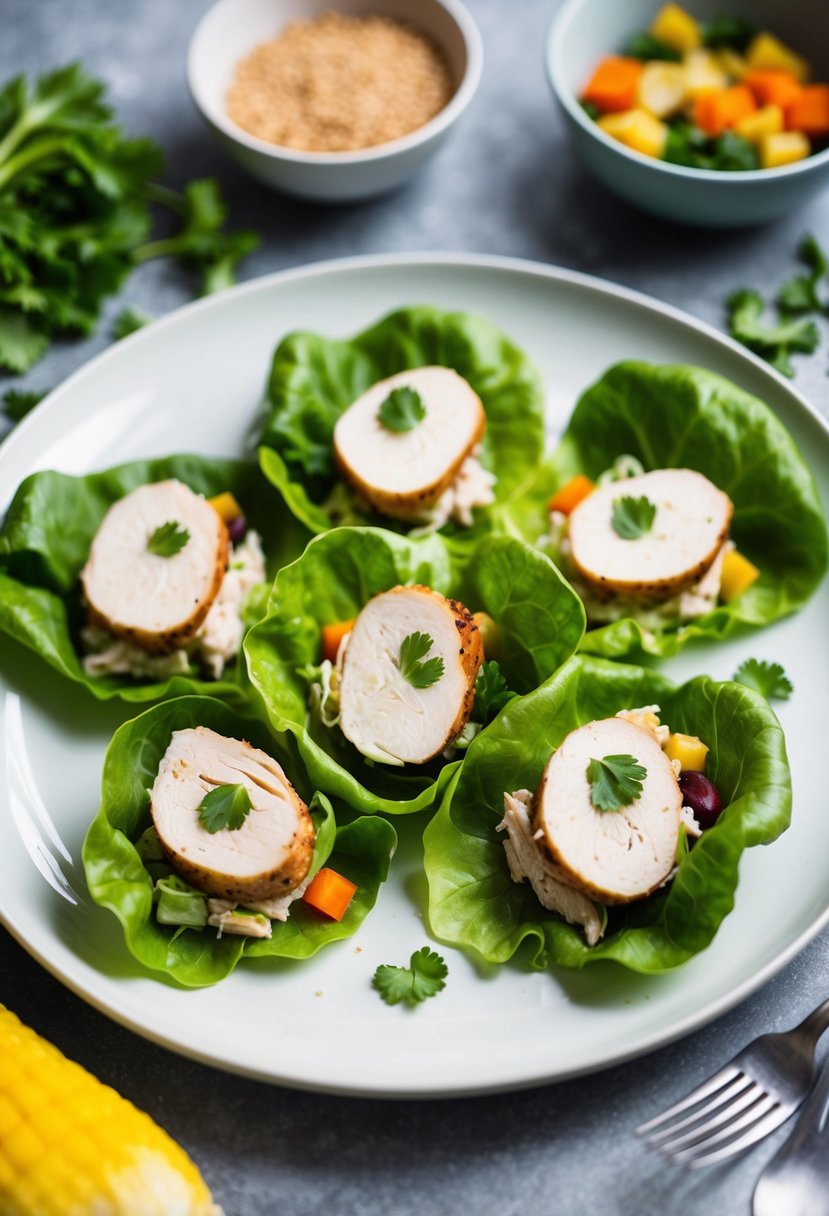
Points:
[[232, 28], [586, 30]]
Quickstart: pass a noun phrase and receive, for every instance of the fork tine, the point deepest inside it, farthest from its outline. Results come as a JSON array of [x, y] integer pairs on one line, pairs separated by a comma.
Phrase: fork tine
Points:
[[722, 1099], [776, 1116], [705, 1090], [748, 1120], [724, 1115]]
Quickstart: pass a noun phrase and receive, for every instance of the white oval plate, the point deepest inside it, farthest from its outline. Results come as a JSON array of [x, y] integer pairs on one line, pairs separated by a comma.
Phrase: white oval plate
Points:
[[193, 381]]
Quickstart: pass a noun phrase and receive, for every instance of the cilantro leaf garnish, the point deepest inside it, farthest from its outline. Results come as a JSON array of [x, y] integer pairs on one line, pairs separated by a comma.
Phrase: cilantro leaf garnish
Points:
[[17, 403], [800, 294], [402, 410], [424, 977], [226, 806], [491, 692], [772, 342], [735, 32], [615, 781], [168, 539], [632, 517], [412, 650], [646, 46], [769, 679]]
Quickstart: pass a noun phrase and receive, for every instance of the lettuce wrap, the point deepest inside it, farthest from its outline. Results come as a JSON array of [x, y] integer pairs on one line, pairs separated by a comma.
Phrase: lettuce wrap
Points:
[[540, 621], [473, 902], [314, 379], [44, 544], [118, 879], [685, 417]]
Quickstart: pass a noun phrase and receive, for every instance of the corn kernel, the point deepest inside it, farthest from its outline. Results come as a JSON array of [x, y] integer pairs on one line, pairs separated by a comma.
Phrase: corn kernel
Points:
[[688, 750], [226, 507], [783, 149], [703, 74], [738, 574], [676, 27], [767, 121], [662, 88], [766, 51], [637, 130]]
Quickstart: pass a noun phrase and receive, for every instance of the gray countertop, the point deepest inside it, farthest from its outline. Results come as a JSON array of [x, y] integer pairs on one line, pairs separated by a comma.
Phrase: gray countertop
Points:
[[506, 183]]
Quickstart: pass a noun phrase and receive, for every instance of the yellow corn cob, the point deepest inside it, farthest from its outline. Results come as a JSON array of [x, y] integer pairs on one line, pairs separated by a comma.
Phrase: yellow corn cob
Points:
[[70, 1146]]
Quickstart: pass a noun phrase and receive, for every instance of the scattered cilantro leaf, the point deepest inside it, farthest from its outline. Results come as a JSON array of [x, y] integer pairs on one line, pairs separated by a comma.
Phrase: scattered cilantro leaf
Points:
[[645, 46], [424, 977], [226, 806], [591, 109], [419, 674], [129, 321], [800, 294], [168, 539], [772, 342], [632, 517], [17, 403], [402, 410], [491, 692], [734, 32], [615, 781], [769, 679], [687, 145]]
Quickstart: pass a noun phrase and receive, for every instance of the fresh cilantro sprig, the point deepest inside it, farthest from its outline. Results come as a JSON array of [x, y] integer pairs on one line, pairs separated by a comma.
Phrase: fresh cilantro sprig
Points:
[[17, 403], [769, 679], [646, 46], [168, 539], [412, 650], [491, 692], [129, 321], [726, 31], [801, 294], [632, 517], [402, 410], [615, 781], [687, 145], [774, 343], [424, 977], [226, 806]]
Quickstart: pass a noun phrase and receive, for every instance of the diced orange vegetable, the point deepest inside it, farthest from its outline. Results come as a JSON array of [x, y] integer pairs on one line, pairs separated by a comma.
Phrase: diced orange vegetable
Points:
[[719, 110], [332, 636], [613, 85], [772, 86], [809, 112], [226, 507], [568, 496], [330, 893], [738, 573]]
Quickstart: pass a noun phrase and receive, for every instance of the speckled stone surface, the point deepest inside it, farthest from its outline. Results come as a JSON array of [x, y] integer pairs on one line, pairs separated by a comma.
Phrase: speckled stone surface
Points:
[[506, 183]]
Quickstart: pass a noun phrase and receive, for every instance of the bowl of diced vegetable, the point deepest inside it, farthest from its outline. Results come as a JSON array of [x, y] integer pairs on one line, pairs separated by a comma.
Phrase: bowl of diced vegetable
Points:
[[716, 114]]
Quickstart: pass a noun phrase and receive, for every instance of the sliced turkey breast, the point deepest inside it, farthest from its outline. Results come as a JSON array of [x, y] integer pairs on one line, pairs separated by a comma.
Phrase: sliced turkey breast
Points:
[[381, 712], [268, 856], [404, 473], [689, 529], [612, 856], [154, 601]]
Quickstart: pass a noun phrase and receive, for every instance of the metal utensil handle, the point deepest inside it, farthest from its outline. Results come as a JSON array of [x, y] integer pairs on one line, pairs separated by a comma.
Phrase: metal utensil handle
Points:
[[813, 1121], [816, 1022]]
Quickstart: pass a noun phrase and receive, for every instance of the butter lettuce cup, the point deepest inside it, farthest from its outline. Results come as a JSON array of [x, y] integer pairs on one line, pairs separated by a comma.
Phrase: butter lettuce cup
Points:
[[681, 509], [85, 562], [428, 420], [173, 868], [529, 801], [384, 659]]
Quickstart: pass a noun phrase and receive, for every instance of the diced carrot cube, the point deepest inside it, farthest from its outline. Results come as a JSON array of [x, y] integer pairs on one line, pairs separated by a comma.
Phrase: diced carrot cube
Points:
[[772, 86], [332, 636], [612, 87], [568, 496], [809, 112], [716, 112], [330, 893]]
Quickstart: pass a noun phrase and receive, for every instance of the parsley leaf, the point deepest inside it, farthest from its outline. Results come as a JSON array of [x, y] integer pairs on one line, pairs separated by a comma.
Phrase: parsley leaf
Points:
[[17, 403], [424, 977], [632, 517], [129, 321], [615, 781], [168, 539], [412, 650], [800, 294], [226, 806], [402, 410], [769, 679], [645, 46], [771, 342], [688, 145], [736, 32], [491, 692]]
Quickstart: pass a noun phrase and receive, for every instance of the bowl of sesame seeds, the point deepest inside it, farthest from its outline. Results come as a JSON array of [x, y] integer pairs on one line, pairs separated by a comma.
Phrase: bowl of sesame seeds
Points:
[[334, 100]]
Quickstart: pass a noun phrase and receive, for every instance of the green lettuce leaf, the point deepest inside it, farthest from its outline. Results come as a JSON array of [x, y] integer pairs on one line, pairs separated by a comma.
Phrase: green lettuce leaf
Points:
[[117, 879], [314, 380], [45, 541], [540, 622], [685, 417], [473, 903]]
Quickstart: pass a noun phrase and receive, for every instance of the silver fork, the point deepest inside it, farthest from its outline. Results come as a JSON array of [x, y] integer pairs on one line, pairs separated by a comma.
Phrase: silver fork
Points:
[[747, 1099]]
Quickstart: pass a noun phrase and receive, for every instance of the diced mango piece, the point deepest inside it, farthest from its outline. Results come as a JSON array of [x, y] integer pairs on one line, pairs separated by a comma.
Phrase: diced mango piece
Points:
[[738, 573], [676, 27], [662, 88], [715, 112], [732, 63], [768, 121], [638, 130], [612, 87], [766, 51], [226, 506], [688, 750], [703, 74], [783, 149]]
